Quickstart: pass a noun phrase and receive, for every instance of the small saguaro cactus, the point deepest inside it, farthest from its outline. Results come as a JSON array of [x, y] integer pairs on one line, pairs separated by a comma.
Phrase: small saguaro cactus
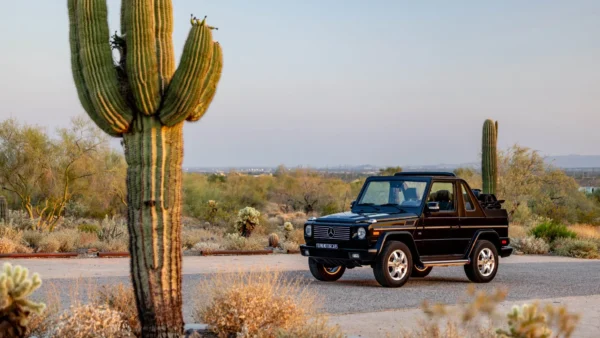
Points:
[[489, 157], [288, 227], [248, 220], [3, 209], [273, 240], [15, 308], [145, 100]]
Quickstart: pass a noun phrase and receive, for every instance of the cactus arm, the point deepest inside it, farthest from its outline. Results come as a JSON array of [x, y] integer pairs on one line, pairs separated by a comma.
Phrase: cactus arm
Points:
[[163, 13], [142, 68], [98, 70], [209, 87], [184, 91], [82, 90]]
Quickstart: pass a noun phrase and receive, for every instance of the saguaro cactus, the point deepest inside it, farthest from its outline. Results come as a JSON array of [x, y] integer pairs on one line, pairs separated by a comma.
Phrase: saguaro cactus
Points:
[[489, 157], [3, 209], [144, 100]]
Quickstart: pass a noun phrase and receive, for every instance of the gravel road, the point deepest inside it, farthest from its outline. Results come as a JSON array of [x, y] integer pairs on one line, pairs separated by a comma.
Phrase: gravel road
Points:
[[358, 292]]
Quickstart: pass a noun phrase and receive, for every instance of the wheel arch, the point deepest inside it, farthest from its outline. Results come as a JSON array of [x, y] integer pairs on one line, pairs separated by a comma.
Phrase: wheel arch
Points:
[[489, 235], [401, 236]]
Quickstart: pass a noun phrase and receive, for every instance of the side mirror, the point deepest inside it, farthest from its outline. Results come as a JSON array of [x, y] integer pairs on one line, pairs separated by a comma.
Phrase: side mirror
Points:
[[433, 206], [352, 204]]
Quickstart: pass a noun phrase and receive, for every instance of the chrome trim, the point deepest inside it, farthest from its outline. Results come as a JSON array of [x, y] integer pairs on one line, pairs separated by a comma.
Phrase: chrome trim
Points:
[[484, 226], [338, 233], [390, 228], [447, 263]]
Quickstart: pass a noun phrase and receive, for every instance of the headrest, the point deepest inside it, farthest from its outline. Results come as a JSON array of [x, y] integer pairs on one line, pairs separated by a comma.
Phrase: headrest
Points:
[[442, 196]]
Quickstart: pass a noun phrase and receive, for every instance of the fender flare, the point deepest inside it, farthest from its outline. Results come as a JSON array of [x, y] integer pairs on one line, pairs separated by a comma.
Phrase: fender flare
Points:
[[476, 237]]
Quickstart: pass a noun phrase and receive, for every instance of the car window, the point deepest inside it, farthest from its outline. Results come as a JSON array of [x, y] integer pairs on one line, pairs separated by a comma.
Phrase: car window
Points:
[[443, 193], [469, 206], [377, 193], [403, 193]]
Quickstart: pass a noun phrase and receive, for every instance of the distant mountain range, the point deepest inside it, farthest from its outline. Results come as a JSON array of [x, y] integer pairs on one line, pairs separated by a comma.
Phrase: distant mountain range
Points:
[[574, 161]]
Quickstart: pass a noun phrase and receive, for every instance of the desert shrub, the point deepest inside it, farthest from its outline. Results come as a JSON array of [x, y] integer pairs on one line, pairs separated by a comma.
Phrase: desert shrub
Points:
[[9, 232], [15, 307], [49, 244], [68, 239], [207, 246], [92, 321], [257, 305], [89, 228], [586, 231], [248, 219], [20, 220], [517, 231], [290, 246], [32, 238], [550, 231], [579, 248], [191, 237], [121, 299], [296, 236], [530, 245], [112, 228], [7, 246], [531, 320], [237, 242]]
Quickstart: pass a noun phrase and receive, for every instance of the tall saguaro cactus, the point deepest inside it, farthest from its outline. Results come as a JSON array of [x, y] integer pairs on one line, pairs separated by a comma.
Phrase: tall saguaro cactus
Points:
[[145, 100], [489, 157], [3, 209]]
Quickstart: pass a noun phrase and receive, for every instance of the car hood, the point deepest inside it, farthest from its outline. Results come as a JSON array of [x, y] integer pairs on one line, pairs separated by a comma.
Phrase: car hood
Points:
[[352, 217]]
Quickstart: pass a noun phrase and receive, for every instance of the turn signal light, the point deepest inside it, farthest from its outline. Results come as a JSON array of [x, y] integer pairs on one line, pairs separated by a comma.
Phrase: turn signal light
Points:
[[375, 233]]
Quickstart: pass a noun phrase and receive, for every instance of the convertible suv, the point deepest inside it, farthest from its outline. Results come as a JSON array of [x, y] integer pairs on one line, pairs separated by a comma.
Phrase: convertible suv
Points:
[[404, 225]]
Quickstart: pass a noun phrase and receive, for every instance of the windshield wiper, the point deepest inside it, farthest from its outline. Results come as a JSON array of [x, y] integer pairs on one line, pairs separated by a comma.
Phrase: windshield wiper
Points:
[[393, 205]]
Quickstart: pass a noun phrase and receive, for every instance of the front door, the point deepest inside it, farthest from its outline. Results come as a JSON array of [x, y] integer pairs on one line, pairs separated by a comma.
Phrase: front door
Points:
[[435, 235]]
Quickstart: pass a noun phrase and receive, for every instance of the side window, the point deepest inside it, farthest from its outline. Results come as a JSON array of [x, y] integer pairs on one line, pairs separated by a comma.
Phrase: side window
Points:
[[469, 206], [443, 193]]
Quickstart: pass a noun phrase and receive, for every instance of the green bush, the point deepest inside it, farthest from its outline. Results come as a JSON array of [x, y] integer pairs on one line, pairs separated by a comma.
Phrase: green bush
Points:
[[578, 248], [550, 231], [89, 228]]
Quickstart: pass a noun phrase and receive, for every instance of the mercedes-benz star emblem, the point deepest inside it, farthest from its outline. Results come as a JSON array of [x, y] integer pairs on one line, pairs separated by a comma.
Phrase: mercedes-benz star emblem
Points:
[[330, 232]]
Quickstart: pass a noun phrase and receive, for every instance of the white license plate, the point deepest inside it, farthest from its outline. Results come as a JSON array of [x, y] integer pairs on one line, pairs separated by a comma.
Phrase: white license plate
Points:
[[327, 246]]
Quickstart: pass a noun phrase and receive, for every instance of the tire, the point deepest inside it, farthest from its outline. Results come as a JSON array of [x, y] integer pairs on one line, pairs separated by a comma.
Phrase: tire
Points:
[[325, 273], [398, 253], [420, 273], [484, 262]]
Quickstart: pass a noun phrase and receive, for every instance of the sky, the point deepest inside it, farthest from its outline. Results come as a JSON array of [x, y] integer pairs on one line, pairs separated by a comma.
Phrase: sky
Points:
[[326, 83]]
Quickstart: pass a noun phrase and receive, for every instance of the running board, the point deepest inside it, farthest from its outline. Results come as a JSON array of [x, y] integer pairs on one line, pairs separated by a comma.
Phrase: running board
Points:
[[447, 263]]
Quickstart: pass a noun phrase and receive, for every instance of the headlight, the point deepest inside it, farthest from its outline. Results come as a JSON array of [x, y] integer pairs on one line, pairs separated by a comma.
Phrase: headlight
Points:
[[362, 233], [308, 230]]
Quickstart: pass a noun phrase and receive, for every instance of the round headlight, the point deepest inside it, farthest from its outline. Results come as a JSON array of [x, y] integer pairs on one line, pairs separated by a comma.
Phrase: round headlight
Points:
[[362, 233], [308, 230]]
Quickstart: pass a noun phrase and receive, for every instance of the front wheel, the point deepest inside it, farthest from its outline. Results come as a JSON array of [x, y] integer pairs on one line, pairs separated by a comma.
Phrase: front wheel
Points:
[[394, 265], [484, 262], [325, 273]]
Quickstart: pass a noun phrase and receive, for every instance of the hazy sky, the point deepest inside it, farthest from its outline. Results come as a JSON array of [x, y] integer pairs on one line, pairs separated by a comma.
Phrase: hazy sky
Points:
[[351, 82]]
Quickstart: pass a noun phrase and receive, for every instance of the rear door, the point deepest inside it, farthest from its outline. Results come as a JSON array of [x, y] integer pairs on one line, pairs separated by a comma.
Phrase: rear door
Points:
[[435, 233]]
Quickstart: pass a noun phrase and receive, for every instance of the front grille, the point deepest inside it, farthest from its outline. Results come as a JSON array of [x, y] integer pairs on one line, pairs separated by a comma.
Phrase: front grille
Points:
[[332, 232]]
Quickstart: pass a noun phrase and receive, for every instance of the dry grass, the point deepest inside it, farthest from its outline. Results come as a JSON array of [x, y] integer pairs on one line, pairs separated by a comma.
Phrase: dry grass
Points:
[[260, 304], [237, 242], [191, 237], [9, 246], [478, 318], [120, 298], [578, 248], [91, 321], [586, 231], [296, 236]]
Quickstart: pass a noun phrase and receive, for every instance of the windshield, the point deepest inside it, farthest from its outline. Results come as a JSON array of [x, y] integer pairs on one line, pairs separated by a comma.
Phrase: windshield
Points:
[[399, 193]]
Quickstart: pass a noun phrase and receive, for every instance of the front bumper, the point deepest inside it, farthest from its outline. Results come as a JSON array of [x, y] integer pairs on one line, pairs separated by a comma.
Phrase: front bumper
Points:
[[506, 251], [347, 257]]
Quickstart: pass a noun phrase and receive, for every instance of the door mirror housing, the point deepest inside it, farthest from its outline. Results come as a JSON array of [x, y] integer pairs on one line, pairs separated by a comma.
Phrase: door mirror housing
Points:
[[352, 204], [433, 206]]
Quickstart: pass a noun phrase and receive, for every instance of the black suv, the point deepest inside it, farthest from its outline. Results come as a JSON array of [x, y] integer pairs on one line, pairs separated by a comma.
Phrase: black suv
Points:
[[404, 225]]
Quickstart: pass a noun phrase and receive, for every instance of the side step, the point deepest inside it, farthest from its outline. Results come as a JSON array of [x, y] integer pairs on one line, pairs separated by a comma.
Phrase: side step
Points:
[[447, 263]]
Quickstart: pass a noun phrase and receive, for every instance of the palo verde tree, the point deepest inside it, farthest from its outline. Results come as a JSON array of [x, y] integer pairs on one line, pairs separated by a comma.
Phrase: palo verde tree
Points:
[[145, 100]]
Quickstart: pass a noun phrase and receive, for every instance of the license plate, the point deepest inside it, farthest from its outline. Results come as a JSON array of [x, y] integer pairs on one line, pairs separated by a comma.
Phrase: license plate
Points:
[[327, 246]]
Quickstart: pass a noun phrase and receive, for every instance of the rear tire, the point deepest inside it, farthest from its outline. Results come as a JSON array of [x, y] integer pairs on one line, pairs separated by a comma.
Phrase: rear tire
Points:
[[325, 273], [484, 262], [420, 273], [394, 265]]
